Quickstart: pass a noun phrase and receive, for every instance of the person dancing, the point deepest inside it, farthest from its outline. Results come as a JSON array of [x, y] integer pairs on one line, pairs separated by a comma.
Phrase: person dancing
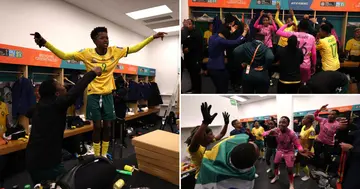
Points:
[[307, 136], [202, 136], [271, 145], [306, 44], [325, 141], [286, 140], [257, 131], [100, 103]]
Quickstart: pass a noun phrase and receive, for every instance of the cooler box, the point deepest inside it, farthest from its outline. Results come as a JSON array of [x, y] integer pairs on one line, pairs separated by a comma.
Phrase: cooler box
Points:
[[157, 153]]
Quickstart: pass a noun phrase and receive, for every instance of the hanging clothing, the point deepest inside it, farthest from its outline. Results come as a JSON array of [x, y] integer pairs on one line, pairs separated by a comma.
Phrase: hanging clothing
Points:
[[155, 97], [134, 92], [23, 97], [120, 97]]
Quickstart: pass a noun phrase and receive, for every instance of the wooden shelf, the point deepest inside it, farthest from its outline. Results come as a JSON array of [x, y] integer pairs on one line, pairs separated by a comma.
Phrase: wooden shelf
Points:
[[17, 145]]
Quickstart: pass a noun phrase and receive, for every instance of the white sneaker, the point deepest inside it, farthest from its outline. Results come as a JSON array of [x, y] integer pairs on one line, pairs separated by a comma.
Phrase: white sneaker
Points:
[[274, 179], [90, 150], [268, 170], [291, 186], [256, 175], [296, 175], [305, 178]]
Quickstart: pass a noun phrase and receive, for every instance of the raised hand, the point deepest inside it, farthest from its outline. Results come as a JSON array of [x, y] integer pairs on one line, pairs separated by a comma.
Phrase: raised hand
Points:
[[323, 107], [262, 13], [39, 40], [226, 118], [207, 117], [270, 16], [277, 5], [160, 35], [291, 11]]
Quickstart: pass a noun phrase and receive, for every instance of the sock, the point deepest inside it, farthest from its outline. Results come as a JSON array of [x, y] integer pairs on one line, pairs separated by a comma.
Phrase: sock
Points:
[[96, 147], [104, 148], [297, 169], [276, 171], [306, 171], [291, 178]]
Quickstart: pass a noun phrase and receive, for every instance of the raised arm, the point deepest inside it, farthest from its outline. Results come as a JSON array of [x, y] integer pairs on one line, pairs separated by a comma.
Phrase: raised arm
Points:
[[39, 40], [200, 133], [277, 20], [237, 41], [243, 18], [256, 24], [67, 100], [281, 32], [273, 25], [293, 17], [142, 44], [224, 129], [317, 112]]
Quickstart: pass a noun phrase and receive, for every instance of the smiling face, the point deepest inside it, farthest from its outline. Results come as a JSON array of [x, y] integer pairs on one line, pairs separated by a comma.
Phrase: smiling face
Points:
[[283, 124], [266, 21], [102, 40]]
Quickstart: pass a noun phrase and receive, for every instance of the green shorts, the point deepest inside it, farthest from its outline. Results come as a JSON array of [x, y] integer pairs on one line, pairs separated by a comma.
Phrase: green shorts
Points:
[[100, 107], [259, 143]]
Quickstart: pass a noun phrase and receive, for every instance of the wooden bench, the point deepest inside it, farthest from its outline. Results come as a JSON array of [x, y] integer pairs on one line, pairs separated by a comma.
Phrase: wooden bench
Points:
[[17, 145]]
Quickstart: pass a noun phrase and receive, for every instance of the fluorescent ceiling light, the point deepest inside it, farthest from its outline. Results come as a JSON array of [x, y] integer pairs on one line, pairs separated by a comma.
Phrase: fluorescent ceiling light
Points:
[[262, 95], [168, 29], [238, 98], [145, 13]]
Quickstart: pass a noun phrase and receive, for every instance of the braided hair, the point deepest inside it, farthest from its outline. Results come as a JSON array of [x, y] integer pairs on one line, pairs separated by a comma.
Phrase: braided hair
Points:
[[188, 140]]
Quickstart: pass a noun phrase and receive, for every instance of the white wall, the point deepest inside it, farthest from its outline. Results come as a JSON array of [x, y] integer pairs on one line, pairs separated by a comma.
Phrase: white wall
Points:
[[303, 103], [68, 28], [259, 108], [191, 113], [164, 57], [184, 9]]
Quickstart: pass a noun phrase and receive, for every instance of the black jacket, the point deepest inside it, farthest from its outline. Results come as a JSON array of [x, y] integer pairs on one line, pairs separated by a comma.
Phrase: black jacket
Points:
[[48, 124], [264, 57], [290, 62], [193, 40]]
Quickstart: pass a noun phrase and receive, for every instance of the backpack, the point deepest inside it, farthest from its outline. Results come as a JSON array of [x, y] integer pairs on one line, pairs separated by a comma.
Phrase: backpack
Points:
[[92, 172]]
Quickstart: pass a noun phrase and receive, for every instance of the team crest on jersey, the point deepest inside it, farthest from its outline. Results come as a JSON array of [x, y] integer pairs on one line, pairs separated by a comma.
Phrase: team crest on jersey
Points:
[[2, 113]]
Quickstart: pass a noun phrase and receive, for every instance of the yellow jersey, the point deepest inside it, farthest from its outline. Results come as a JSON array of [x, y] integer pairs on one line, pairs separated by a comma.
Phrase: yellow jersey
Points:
[[196, 158], [283, 40], [257, 132], [306, 135], [207, 35], [353, 46], [105, 83], [329, 54], [3, 113]]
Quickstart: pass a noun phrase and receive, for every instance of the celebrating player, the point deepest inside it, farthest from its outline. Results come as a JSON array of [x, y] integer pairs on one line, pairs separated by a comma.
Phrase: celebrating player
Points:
[[100, 103]]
